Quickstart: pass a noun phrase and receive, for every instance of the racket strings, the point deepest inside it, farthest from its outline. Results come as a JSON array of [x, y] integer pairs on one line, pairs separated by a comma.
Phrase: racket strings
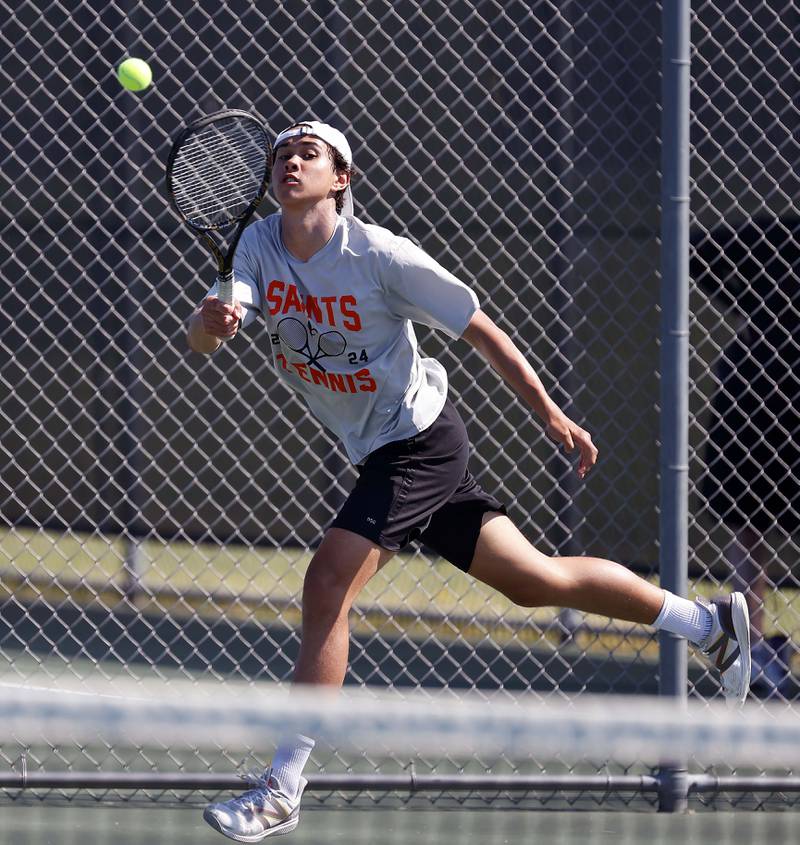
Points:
[[203, 159], [220, 147], [218, 172], [226, 196], [212, 191]]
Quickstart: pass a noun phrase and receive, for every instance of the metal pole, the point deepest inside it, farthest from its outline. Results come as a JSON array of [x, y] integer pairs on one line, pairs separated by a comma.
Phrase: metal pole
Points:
[[129, 476], [410, 782], [674, 493]]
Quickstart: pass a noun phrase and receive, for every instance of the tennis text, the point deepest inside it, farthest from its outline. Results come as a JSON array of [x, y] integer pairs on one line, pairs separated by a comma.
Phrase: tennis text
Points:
[[361, 380]]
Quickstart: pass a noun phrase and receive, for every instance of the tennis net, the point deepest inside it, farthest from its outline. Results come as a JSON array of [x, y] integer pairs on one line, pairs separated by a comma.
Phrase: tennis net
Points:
[[187, 741]]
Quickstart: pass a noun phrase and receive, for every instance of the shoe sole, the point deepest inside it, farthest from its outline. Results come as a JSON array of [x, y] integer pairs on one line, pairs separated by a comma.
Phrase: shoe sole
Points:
[[740, 617], [284, 827]]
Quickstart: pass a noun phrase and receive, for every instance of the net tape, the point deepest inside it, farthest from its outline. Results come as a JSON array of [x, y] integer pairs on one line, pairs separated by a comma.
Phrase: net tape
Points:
[[622, 728]]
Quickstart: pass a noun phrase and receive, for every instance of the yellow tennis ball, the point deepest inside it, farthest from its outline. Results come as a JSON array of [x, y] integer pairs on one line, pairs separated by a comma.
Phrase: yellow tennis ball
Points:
[[134, 74]]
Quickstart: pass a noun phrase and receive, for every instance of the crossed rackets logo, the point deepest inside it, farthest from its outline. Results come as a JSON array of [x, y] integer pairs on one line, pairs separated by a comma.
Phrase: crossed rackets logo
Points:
[[297, 337]]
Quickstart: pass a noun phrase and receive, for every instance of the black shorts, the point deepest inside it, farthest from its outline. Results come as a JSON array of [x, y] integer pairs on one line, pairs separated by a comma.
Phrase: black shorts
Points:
[[420, 489]]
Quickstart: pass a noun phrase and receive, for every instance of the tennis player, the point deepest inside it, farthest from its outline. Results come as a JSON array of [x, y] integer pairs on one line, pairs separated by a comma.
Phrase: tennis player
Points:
[[339, 297]]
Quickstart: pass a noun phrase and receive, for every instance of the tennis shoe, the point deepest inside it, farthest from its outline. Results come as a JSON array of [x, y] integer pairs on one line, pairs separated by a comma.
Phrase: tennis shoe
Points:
[[727, 646], [260, 812]]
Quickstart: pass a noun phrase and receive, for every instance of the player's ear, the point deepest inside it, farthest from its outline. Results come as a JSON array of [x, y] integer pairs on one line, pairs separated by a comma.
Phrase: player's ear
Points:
[[341, 180]]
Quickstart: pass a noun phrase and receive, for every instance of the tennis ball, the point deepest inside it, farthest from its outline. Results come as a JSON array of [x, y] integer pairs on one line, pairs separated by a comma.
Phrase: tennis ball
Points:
[[134, 74]]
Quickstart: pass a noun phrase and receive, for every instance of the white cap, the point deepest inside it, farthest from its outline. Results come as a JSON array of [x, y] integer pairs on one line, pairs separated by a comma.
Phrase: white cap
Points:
[[330, 135]]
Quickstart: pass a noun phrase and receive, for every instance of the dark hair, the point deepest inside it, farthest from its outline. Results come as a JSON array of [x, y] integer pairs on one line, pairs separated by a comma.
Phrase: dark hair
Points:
[[337, 159]]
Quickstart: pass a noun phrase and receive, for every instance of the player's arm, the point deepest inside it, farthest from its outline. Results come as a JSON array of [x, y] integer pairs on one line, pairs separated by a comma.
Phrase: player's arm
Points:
[[211, 323], [510, 364]]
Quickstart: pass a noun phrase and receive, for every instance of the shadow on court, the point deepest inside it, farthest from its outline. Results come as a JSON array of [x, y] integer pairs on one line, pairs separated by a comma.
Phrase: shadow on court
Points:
[[42, 825]]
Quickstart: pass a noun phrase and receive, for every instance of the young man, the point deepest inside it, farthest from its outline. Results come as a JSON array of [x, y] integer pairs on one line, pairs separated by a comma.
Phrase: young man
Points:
[[339, 297]]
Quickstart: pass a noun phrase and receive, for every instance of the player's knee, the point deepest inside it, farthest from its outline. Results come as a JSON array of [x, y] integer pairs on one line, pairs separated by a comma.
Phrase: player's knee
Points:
[[522, 597], [539, 586], [326, 589], [527, 595]]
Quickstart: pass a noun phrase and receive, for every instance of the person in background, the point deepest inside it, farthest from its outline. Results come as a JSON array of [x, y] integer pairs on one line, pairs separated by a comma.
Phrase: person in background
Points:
[[752, 481]]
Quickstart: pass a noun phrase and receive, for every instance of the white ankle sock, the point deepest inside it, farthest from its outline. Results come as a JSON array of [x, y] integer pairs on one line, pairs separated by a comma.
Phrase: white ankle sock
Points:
[[287, 765], [684, 617]]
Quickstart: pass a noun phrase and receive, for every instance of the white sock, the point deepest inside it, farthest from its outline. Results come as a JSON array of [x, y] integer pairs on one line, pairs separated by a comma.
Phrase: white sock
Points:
[[685, 618], [287, 765]]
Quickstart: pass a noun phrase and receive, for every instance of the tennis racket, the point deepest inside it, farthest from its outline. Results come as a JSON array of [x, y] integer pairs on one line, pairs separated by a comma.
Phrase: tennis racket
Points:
[[217, 174]]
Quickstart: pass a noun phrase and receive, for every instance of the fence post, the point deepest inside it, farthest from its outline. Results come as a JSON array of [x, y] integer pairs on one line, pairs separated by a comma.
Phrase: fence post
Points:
[[674, 415]]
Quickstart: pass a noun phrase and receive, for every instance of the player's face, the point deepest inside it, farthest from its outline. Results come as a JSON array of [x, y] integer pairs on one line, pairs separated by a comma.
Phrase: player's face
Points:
[[303, 173]]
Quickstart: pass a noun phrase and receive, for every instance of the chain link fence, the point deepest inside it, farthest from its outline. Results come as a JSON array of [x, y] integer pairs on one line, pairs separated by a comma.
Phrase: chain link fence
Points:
[[159, 509], [745, 265]]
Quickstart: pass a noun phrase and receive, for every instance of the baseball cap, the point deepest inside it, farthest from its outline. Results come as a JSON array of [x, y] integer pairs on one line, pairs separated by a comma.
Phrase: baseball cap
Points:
[[330, 135]]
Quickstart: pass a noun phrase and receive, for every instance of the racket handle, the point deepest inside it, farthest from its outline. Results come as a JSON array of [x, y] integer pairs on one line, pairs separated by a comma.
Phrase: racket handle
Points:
[[225, 287]]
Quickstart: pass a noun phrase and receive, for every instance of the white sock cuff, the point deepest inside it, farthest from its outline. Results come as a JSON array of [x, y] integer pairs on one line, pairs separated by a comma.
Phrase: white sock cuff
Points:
[[685, 618], [663, 612], [290, 758], [302, 741]]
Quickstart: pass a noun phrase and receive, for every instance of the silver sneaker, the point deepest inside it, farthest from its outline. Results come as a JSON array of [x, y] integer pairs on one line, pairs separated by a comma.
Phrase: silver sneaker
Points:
[[727, 647], [260, 812]]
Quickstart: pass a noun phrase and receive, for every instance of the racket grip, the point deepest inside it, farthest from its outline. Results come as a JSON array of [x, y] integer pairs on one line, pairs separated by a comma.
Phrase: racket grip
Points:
[[225, 287]]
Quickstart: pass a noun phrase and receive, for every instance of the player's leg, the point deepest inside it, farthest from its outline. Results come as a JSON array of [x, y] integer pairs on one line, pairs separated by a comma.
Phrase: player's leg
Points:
[[339, 569], [504, 559]]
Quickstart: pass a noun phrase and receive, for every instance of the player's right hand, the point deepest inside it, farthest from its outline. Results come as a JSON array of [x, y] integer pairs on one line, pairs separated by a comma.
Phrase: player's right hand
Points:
[[220, 320]]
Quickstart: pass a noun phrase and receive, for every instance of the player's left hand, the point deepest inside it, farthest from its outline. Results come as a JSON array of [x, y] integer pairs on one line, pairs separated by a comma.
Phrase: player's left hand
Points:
[[571, 436]]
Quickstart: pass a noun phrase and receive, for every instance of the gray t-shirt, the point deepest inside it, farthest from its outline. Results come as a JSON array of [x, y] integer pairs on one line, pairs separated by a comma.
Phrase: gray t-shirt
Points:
[[340, 326]]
